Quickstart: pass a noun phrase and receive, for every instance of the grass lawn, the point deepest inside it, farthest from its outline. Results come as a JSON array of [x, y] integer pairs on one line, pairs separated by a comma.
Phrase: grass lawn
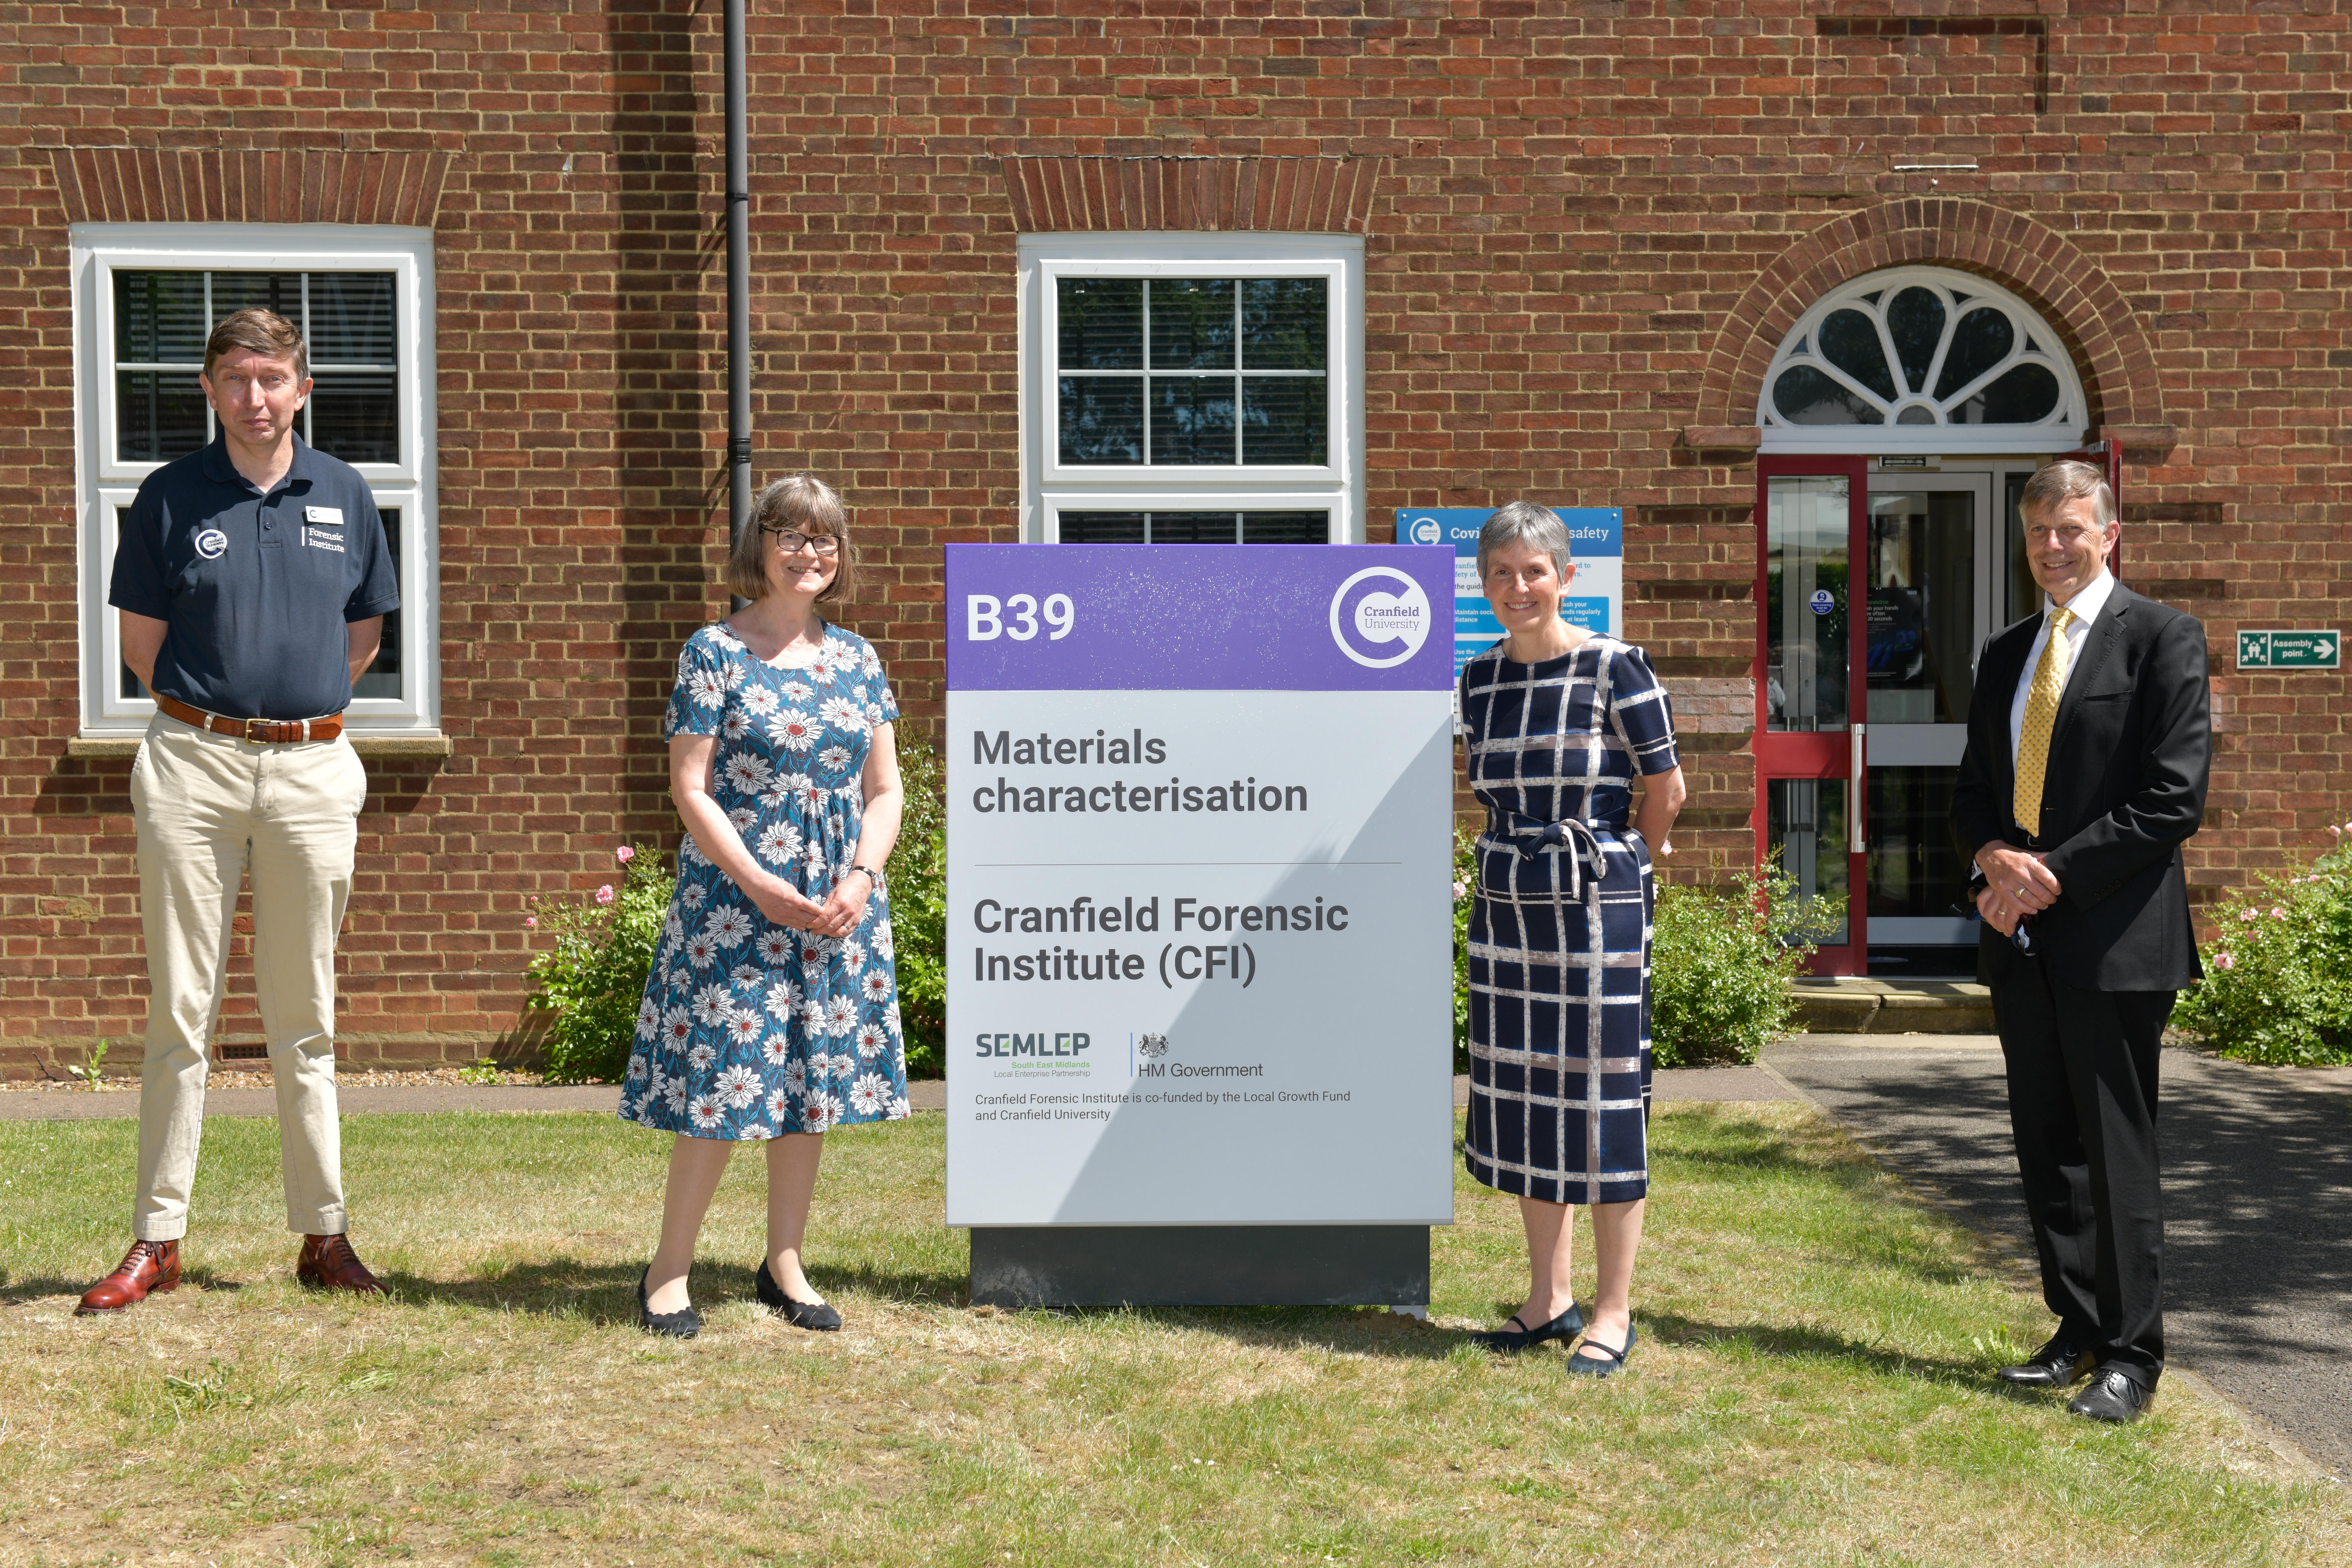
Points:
[[1812, 1384]]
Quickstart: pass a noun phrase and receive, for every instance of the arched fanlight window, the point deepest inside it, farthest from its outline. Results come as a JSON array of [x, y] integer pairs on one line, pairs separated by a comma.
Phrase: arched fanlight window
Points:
[[1921, 359]]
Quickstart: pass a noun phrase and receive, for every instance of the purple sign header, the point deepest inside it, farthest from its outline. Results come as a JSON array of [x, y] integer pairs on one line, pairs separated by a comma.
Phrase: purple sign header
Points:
[[1200, 617]]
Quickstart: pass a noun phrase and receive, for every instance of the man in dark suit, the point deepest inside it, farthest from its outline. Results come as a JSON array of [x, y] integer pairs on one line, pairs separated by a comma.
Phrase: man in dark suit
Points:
[[2089, 741]]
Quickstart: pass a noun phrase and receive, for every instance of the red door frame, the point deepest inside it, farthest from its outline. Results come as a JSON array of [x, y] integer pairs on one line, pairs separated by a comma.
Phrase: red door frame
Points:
[[1822, 755]]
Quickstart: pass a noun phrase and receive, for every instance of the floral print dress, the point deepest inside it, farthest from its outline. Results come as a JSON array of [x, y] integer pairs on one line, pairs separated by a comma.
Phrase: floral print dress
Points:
[[749, 1029]]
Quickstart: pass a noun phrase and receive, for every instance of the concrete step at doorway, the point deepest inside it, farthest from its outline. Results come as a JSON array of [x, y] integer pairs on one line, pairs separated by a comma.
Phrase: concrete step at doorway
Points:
[[1852, 1004]]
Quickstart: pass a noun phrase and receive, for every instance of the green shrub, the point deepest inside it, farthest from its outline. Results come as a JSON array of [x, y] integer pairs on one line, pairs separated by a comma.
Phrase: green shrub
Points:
[[918, 910], [593, 977], [2278, 972], [1720, 963]]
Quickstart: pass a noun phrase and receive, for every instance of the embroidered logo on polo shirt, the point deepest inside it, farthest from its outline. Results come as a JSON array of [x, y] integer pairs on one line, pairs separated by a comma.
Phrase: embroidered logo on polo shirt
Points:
[[211, 543], [320, 539]]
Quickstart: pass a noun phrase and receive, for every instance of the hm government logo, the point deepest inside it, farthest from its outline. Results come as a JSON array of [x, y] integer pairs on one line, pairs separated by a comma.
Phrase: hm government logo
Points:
[[1153, 1046], [1379, 618]]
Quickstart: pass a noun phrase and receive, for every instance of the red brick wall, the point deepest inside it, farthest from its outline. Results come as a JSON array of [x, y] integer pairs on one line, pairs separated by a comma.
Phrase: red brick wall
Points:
[[1589, 227]]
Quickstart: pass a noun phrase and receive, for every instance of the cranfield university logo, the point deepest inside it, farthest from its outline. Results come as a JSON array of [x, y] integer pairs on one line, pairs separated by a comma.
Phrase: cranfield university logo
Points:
[[1426, 531], [1379, 618], [211, 543]]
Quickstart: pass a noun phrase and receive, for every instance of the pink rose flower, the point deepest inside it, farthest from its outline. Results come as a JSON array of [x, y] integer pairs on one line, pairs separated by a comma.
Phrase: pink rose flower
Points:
[[604, 894], [2277, 913], [624, 854], [2223, 960], [530, 922]]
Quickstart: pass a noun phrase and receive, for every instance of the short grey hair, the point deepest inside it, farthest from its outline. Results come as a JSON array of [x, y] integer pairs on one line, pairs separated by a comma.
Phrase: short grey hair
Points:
[[2054, 484], [1525, 522], [800, 502]]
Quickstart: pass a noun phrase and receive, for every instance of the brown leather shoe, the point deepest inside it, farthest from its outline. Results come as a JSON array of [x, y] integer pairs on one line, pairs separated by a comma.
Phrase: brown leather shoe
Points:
[[147, 1268], [328, 1263]]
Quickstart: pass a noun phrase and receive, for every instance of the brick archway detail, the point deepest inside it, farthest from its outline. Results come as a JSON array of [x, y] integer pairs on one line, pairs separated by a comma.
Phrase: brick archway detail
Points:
[[2037, 262], [1091, 194], [154, 184]]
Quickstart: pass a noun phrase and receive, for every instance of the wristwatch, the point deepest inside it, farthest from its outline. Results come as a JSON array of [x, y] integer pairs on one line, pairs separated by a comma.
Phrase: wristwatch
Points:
[[872, 876]]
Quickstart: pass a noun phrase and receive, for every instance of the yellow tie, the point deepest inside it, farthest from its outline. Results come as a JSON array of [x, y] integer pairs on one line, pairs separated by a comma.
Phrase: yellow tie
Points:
[[2040, 713]]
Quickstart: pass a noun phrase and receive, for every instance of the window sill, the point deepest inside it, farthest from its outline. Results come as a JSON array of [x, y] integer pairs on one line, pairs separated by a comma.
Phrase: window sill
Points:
[[421, 743]]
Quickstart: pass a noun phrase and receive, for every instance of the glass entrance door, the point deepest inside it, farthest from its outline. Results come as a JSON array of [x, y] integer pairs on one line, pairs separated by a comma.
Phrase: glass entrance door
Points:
[[1811, 654], [1875, 592], [1929, 554]]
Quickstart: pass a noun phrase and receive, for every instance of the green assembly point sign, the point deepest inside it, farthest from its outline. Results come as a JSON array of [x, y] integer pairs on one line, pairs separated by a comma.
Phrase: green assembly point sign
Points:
[[2288, 649]]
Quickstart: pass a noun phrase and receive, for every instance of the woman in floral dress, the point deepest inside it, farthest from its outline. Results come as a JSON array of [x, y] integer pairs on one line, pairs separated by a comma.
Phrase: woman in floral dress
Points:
[[772, 1012]]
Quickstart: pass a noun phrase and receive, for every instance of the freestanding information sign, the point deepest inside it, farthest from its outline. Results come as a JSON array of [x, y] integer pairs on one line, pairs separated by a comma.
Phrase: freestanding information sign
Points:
[[1199, 944]]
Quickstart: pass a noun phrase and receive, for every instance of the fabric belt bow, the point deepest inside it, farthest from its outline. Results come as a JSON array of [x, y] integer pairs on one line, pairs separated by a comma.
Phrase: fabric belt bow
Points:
[[1574, 834]]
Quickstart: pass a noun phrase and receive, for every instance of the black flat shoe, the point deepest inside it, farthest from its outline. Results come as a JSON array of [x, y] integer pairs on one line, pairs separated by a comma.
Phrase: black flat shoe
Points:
[[1506, 1341], [1609, 1363], [2061, 1363], [817, 1315], [2113, 1397], [682, 1325]]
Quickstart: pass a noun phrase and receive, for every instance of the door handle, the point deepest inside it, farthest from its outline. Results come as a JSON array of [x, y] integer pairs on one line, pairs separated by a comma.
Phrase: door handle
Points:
[[1854, 793]]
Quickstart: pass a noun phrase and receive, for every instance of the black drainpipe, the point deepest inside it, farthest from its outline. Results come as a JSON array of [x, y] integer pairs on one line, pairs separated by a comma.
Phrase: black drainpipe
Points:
[[739, 285]]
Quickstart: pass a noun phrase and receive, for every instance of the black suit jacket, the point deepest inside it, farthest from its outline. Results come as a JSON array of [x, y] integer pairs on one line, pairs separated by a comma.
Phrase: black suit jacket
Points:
[[2124, 789]]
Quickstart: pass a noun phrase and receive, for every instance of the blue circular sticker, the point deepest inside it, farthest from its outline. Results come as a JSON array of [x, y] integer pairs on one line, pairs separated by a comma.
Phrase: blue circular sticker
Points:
[[1824, 601]]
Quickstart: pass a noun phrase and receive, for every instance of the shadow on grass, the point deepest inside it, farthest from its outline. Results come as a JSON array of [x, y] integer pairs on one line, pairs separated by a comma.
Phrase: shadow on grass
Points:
[[606, 1293], [1772, 1342], [16, 1290]]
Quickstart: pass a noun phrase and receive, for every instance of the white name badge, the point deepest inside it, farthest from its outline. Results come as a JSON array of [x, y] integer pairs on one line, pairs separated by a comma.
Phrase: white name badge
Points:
[[332, 516]]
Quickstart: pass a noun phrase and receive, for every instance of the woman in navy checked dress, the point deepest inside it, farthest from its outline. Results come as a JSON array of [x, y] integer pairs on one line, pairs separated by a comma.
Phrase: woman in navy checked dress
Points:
[[1558, 723], [772, 1012]]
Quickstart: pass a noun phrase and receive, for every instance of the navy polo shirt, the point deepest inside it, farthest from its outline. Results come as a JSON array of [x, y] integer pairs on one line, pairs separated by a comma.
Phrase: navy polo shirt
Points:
[[255, 588]]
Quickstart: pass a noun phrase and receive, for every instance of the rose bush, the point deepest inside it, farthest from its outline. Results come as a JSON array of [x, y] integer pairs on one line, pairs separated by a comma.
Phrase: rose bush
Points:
[[2278, 970]]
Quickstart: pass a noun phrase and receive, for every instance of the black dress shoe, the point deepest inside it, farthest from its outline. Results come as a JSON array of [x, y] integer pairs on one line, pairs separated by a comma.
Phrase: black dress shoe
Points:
[[814, 1315], [1567, 1326], [2061, 1363], [682, 1325], [2114, 1396]]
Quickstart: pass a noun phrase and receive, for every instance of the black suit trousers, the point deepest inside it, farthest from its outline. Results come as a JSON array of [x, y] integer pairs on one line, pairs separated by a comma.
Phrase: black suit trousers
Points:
[[2082, 1104]]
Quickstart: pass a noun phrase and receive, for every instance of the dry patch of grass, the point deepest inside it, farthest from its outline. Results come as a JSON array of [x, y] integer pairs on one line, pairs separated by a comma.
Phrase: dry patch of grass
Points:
[[1812, 1385]]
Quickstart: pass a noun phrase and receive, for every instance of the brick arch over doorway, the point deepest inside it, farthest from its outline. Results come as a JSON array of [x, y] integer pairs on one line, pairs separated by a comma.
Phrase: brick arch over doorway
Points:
[[2066, 285]]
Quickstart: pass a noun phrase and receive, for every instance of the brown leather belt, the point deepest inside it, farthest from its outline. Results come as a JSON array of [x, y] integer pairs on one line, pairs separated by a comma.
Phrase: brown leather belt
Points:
[[261, 732]]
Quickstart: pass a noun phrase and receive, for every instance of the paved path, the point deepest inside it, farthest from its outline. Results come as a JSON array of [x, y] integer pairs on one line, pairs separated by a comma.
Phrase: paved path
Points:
[[2258, 1201]]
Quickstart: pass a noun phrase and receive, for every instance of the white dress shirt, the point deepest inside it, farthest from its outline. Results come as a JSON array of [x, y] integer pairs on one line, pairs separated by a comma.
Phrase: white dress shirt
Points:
[[2085, 606]]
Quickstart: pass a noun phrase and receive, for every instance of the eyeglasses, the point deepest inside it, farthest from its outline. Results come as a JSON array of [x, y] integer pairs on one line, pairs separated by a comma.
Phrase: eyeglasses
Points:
[[794, 541], [2069, 536]]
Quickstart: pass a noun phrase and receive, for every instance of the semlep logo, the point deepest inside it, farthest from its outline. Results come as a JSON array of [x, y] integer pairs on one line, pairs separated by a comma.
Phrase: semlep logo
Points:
[[1379, 618]]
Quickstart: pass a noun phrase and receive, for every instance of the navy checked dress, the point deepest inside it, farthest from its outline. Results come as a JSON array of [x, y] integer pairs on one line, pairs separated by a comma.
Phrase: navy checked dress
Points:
[[1560, 926], [748, 1029]]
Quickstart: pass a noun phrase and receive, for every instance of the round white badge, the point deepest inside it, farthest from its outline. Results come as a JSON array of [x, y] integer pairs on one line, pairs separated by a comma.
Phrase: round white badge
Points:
[[211, 543], [1367, 622], [1824, 601]]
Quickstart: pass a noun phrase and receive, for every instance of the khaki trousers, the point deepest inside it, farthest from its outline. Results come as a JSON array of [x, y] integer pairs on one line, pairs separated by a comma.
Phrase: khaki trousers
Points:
[[209, 807]]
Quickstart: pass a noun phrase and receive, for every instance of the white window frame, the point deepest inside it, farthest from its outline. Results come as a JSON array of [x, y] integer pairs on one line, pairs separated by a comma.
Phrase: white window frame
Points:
[[103, 482], [1049, 486], [2062, 431]]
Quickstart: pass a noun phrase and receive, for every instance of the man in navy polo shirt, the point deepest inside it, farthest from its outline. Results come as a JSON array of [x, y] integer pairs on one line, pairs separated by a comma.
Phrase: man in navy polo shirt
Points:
[[253, 579]]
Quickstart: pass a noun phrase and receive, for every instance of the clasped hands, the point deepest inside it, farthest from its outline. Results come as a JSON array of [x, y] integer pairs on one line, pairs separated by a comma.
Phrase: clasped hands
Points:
[[2016, 884], [837, 916]]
